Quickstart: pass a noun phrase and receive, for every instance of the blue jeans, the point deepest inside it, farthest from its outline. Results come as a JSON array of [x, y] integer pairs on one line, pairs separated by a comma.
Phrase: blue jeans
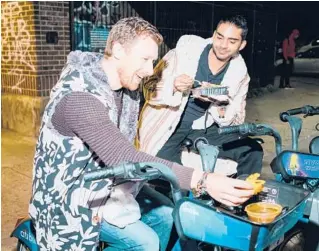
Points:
[[150, 233]]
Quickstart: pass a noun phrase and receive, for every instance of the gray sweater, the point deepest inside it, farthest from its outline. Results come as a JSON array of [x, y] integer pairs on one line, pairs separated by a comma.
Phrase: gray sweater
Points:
[[81, 114]]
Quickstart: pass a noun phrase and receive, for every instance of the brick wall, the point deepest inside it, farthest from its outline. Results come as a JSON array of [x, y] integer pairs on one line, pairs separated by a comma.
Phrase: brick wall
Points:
[[51, 17], [19, 59], [31, 65]]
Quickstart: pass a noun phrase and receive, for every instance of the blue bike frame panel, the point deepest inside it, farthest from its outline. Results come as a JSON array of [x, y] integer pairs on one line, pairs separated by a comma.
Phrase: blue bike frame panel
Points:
[[26, 234], [217, 226], [298, 165]]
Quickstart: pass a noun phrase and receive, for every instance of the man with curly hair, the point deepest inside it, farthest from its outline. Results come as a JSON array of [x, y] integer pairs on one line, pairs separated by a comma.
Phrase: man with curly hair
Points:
[[90, 123]]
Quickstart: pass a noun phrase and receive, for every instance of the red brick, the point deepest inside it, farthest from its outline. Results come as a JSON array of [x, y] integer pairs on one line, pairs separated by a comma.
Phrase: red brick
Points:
[[39, 17]]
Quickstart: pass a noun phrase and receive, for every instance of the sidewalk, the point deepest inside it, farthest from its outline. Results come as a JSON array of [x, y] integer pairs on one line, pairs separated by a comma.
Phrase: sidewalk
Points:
[[16, 175], [17, 151], [266, 110]]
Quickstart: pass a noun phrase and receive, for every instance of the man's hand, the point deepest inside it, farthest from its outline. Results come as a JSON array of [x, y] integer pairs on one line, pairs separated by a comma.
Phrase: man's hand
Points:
[[183, 83], [221, 111], [228, 191]]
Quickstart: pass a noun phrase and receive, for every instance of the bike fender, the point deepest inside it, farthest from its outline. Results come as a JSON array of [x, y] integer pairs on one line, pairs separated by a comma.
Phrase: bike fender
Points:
[[25, 232]]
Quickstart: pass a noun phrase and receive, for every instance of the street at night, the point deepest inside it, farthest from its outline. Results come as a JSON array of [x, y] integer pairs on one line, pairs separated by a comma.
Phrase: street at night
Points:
[[100, 97]]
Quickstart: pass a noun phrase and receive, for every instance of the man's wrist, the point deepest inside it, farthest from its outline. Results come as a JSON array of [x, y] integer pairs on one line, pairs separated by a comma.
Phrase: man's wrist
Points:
[[197, 174], [201, 186]]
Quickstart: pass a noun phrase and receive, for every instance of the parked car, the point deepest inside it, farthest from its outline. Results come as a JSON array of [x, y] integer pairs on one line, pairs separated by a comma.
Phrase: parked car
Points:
[[311, 45], [306, 62]]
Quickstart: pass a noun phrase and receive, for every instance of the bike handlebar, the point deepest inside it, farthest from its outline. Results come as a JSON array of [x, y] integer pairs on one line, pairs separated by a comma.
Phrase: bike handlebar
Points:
[[308, 110], [138, 171], [251, 129], [241, 129], [120, 171]]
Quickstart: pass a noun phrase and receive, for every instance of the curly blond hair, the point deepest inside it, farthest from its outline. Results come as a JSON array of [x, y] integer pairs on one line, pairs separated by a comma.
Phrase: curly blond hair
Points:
[[127, 29]]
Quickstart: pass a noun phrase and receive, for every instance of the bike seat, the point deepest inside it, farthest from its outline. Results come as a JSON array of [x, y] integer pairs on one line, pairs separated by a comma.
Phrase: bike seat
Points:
[[314, 145], [296, 165]]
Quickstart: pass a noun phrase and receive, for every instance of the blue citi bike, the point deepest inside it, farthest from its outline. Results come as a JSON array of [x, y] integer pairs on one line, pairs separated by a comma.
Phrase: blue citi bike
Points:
[[296, 168], [218, 227]]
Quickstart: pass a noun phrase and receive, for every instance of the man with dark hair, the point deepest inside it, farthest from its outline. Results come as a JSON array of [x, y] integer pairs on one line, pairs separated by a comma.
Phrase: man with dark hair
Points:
[[239, 21], [288, 55], [170, 114]]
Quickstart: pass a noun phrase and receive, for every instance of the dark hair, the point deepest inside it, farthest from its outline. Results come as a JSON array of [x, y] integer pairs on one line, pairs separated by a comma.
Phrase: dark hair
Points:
[[239, 21]]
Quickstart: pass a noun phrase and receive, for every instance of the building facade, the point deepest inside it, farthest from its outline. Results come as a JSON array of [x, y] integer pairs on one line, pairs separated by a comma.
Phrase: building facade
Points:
[[38, 36]]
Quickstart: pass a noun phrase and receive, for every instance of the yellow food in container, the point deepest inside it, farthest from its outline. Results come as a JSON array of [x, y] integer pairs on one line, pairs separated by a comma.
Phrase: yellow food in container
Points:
[[255, 182], [263, 212]]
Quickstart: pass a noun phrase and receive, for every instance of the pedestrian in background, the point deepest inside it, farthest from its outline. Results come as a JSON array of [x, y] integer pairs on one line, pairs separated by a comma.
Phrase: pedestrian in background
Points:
[[289, 53]]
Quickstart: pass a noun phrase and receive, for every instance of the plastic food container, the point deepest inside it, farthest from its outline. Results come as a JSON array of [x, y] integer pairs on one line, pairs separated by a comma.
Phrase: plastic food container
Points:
[[263, 212], [258, 186], [255, 182]]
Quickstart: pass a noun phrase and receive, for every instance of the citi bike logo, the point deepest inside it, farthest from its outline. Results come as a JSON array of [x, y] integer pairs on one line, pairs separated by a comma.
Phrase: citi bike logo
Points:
[[27, 236]]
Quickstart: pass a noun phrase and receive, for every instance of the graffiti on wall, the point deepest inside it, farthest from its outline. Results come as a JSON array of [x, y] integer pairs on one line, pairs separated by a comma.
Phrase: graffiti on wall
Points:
[[92, 22], [99, 13], [16, 42]]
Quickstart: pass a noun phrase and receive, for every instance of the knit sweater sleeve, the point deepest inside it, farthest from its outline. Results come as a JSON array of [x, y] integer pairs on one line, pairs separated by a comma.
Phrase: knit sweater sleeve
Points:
[[81, 114]]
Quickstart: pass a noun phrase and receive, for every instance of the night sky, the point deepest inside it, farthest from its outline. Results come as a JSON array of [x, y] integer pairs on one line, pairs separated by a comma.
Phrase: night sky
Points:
[[301, 15]]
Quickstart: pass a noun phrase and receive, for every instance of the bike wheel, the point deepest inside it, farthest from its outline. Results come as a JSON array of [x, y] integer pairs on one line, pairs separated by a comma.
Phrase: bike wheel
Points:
[[22, 247], [295, 241]]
